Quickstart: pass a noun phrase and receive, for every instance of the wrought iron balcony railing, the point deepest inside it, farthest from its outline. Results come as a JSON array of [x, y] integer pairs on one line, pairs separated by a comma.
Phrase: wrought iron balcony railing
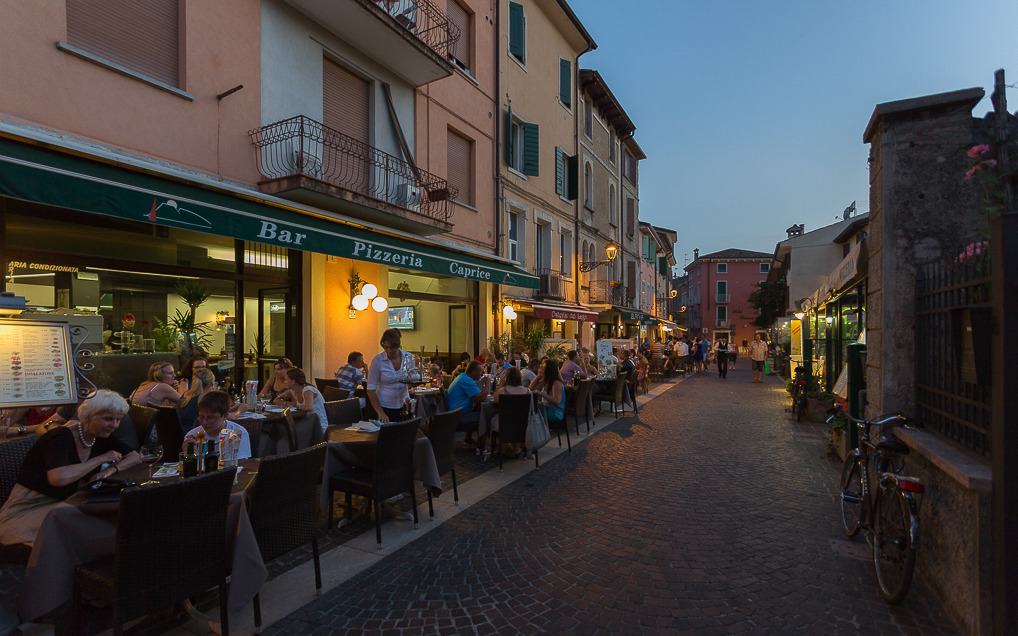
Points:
[[303, 147], [425, 21], [602, 292], [723, 298]]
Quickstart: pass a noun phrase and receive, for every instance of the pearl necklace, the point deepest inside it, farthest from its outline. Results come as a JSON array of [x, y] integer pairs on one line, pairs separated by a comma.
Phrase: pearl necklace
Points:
[[81, 436]]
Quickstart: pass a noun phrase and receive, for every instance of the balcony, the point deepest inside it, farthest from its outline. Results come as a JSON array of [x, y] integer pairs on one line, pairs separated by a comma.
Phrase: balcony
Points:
[[723, 324], [305, 161], [602, 292], [722, 299], [410, 37], [551, 284]]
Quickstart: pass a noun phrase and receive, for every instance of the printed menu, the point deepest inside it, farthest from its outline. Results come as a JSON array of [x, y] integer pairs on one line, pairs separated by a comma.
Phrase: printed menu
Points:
[[35, 364]]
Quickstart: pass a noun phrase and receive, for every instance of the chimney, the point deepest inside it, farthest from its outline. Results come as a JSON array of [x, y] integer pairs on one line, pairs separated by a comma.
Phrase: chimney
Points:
[[795, 230], [696, 253]]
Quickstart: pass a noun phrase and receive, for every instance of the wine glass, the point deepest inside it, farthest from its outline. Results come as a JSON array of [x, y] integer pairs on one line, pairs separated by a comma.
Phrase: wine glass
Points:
[[150, 455]]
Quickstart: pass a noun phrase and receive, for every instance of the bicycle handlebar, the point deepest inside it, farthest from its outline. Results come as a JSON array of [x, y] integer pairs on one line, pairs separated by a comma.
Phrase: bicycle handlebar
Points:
[[883, 420]]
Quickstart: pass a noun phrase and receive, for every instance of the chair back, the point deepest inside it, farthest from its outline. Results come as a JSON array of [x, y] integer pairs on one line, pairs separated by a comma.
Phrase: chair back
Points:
[[305, 430], [394, 457], [12, 456], [281, 502], [344, 412], [442, 433], [321, 383], [169, 432], [581, 396], [141, 419], [334, 393], [620, 386], [513, 414], [171, 542]]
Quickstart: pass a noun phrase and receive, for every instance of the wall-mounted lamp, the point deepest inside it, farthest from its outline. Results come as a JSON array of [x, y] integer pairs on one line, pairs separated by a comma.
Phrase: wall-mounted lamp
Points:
[[830, 320], [799, 315], [673, 294], [362, 294], [221, 317], [611, 251]]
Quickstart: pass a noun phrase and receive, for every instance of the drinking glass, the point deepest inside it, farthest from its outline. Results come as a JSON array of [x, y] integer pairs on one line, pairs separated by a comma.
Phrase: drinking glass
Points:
[[150, 455]]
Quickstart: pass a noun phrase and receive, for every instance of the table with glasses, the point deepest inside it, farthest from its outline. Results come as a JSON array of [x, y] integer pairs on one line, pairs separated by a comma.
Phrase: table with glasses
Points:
[[81, 530], [273, 433], [429, 402]]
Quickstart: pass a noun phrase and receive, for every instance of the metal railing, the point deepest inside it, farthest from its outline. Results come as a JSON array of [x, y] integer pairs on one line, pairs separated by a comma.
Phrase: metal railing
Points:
[[425, 21], [603, 293], [723, 324], [303, 147], [723, 298]]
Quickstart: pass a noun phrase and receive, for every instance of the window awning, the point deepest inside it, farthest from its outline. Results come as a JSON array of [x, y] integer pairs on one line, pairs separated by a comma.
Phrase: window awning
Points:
[[36, 174], [557, 311]]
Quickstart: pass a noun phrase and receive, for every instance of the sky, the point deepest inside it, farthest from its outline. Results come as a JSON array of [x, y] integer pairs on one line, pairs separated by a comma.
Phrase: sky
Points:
[[751, 113]]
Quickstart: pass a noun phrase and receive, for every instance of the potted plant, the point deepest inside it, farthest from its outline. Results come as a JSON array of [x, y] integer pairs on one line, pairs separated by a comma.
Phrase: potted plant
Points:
[[195, 336], [165, 335], [837, 442], [818, 403], [533, 340]]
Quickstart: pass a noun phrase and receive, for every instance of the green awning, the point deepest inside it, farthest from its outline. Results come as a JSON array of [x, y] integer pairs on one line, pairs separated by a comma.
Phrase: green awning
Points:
[[35, 174]]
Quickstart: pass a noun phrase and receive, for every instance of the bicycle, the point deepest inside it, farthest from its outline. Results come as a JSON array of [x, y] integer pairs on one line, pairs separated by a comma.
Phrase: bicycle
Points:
[[889, 513], [799, 386]]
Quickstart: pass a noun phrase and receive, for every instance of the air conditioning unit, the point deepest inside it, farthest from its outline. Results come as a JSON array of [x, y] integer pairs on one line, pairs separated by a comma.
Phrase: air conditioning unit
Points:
[[551, 285], [407, 195], [308, 164]]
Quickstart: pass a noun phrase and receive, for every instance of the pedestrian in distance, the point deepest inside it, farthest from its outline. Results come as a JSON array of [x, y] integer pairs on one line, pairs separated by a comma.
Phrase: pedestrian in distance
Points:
[[721, 355], [758, 354]]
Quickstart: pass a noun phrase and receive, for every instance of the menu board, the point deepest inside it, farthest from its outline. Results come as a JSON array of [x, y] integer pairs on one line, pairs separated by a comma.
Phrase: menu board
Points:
[[36, 367]]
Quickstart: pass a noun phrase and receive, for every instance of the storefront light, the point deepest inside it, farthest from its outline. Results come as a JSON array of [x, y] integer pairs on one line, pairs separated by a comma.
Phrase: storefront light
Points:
[[360, 302], [508, 312], [799, 315], [369, 291], [830, 320], [379, 303]]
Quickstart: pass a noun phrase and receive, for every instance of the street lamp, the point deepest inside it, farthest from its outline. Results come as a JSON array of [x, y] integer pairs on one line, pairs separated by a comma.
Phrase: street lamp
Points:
[[611, 251]]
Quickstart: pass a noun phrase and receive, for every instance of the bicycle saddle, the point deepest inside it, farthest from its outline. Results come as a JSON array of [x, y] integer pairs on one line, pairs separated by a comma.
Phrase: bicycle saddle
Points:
[[891, 444]]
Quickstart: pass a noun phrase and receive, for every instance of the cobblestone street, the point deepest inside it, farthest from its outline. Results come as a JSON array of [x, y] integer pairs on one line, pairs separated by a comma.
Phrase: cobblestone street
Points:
[[713, 513]]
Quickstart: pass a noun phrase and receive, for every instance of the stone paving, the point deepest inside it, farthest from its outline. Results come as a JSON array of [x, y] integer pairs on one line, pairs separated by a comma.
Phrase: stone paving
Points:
[[712, 513]]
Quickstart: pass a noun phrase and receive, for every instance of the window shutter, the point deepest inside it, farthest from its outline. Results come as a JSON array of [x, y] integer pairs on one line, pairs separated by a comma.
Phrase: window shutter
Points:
[[345, 101], [631, 279], [461, 167], [566, 82], [572, 177], [460, 49], [521, 241], [531, 149], [560, 172], [630, 216], [142, 35], [517, 31], [509, 137]]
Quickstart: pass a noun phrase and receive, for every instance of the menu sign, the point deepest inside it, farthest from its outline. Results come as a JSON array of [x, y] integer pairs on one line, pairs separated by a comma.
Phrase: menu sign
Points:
[[36, 367]]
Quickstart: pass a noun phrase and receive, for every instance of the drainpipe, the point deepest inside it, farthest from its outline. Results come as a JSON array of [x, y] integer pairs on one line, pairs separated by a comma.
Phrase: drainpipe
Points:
[[496, 164]]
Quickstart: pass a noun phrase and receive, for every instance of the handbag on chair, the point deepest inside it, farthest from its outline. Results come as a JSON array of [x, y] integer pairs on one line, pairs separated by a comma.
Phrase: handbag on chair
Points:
[[537, 429]]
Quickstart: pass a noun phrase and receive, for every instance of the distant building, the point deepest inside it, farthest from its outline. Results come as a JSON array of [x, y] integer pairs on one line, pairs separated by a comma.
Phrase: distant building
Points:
[[720, 284]]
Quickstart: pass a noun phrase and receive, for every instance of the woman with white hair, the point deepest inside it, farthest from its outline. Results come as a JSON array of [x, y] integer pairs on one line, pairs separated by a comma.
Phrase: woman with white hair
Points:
[[63, 458]]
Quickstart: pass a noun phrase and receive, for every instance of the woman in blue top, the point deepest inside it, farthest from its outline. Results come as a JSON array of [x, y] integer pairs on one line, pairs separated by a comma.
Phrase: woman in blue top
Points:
[[553, 391]]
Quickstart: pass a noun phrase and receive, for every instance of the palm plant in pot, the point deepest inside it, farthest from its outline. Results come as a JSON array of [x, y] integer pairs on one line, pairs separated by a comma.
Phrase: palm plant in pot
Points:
[[195, 337]]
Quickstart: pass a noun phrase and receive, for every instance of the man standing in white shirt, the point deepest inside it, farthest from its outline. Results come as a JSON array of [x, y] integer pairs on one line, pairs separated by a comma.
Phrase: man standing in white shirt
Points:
[[758, 353]]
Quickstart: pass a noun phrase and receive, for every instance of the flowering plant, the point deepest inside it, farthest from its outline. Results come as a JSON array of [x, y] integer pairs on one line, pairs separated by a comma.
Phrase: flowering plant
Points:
[[127, 321]]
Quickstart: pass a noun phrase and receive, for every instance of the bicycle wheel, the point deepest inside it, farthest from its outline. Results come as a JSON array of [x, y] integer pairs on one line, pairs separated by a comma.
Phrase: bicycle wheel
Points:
[[893, 548], [851, 495]]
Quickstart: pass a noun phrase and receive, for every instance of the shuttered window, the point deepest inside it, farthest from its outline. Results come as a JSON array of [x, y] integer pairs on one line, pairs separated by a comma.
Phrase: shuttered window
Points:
[[630, 281], [140, 35], [630, 216], [461, 167], [345, 102], [531, 150], [517, 32], [461, 49], [565, 82], [561, 161]]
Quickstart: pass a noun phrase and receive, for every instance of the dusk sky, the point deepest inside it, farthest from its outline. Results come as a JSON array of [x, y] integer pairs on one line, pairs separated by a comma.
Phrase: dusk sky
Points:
[[752, 113]]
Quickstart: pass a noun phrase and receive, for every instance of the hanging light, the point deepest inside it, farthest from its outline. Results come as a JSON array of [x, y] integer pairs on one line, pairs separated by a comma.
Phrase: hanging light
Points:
[[360, 302], [508, 312], [379, 304], [369, 291], [611, 250]]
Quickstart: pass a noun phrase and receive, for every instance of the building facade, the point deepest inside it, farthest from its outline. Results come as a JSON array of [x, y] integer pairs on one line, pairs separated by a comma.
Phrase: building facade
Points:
[[720, 284]]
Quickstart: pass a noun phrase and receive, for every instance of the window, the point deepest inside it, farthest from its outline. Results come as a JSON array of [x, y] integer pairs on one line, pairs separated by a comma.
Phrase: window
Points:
[[629, 167], [565, 174], [588, 119], [140, 36], [514, 237], [611, 146], [566, 253], [565, 81], [523, 147], [611, 205], [765, 268], [722, 291], [517, 32], [588, 186], [630, 216], [722, 313], [461, 167], [460, 51], [722, 268], [543, 247]]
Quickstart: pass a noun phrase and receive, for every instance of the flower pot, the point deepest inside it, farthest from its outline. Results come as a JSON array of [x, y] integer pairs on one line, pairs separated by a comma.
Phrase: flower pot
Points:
[[816, 409]]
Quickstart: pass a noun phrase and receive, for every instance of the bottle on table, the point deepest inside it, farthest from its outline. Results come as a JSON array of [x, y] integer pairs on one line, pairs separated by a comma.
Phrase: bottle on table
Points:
[[190, 462], [211, 457]]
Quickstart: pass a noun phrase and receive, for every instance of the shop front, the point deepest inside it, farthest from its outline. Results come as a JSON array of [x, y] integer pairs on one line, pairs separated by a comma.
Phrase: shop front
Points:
[[562, 322], [620, 322]]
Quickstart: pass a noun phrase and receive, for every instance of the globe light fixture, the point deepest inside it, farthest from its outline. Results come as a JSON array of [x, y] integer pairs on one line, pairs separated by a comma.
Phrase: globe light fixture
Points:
[[508, 312], [379, 304], [369, 291], [611, 252], [360, 302]]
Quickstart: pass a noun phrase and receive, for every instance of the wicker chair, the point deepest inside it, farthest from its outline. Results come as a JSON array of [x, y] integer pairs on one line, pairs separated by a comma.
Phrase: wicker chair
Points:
[[141, 419], [281, 505], [322, 383], [12, 455], [513, 415], [616, 396], [169, 431], [392, 474], [344, 412], [170, 545], [581, 404], [442, 434]]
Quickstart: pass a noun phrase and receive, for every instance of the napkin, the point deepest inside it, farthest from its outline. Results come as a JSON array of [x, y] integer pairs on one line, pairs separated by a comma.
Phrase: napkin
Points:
[[364, 427], [166, 470]]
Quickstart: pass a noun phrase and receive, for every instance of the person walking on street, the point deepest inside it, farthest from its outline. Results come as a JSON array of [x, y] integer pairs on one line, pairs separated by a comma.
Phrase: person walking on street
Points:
[[705, 354], [758, 353], [721, 355]]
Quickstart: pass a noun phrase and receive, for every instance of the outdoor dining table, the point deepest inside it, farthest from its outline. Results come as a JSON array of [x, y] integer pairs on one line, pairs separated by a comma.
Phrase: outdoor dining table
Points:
[[429, 402], [357, 448], [79, 531], [271, 433]]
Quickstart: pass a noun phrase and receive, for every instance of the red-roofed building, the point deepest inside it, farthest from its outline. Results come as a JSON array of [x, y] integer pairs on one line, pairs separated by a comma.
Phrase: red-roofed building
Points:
[[719, 287]]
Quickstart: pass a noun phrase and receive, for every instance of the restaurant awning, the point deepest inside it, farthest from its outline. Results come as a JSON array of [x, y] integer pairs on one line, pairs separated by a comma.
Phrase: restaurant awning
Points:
[[562, 311], [847, 269], [631, 315], [32, 173]]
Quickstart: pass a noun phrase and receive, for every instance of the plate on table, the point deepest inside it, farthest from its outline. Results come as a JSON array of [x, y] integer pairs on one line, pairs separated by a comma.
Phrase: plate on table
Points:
[[272, 408], [365, 427], [166, 470]]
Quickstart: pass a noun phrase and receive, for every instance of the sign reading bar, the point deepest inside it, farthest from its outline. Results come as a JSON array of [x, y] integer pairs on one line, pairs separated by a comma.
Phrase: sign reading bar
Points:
[[36, 368]]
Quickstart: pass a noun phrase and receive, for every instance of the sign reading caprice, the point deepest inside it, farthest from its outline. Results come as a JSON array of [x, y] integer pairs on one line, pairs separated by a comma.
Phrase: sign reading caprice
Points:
[[466, 271], [367, 251]]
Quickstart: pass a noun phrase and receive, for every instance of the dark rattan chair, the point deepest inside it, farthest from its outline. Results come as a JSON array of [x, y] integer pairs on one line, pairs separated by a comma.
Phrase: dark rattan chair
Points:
[[344, 412], [615, 395], [392, 474], [513, 414], [631, 388], [322, 383], [581, 404], [442, 434], [305, 430], [141, 419], [171, 544], [169, 431], [281, 505], [12, 455]]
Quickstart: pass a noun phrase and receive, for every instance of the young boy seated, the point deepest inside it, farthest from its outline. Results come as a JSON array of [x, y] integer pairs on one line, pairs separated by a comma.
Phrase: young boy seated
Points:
[[212, 410]]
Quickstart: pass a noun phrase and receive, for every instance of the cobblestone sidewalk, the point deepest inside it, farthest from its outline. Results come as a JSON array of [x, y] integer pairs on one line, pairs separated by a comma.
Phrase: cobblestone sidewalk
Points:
[[711, 514]]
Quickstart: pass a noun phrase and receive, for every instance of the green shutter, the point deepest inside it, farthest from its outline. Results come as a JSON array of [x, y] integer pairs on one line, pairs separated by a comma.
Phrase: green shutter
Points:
[[509, 136], [531, 150], [565, 80], [572, 177], [560, 172], [517, 31]]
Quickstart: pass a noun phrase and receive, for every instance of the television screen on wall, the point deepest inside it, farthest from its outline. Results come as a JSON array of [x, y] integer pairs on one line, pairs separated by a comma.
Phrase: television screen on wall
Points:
[[402, 318]]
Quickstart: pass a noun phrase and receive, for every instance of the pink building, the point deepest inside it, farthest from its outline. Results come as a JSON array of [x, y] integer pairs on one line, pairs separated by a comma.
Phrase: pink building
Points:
[[719, 287]]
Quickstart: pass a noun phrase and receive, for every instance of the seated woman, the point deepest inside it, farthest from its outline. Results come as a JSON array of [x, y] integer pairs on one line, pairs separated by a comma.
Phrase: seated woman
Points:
[[512, 385], [553, 391], [160, 389], [194, 364], [212, 410], [276, 385], [305, 397], [202, 383], [643, 371], [63, 458]]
